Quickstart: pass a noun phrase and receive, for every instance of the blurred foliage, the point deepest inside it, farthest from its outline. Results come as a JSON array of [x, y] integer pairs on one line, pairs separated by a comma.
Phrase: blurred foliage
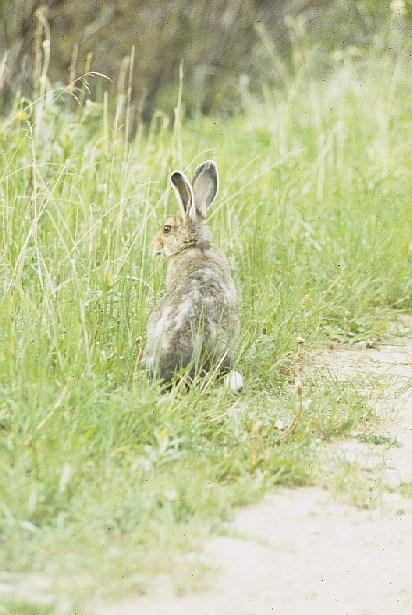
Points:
[[226, 46]]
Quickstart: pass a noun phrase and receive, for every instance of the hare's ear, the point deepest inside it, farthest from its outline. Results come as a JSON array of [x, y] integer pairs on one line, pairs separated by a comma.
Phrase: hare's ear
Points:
[[205, 184], [183, 192]]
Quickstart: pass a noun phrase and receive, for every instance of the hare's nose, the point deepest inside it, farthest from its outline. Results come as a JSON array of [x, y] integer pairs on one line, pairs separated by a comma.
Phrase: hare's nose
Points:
[[157, 249]]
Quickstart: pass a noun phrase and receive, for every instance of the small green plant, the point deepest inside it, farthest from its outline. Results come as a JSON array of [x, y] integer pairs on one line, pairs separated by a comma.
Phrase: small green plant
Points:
[[406, 490], [352, 483], [13, 607]]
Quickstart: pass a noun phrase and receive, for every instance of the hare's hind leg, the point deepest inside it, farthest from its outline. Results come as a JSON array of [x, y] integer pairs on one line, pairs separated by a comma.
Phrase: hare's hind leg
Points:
[[170, 362], [233, 381]]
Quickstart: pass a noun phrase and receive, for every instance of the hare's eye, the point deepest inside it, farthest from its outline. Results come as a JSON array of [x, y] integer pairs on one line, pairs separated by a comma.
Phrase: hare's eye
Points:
[[167, 228]]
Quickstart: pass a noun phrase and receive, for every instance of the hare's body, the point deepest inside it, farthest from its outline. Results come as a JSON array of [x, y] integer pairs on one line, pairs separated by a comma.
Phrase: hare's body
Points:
[[196, 319], [195, 322]]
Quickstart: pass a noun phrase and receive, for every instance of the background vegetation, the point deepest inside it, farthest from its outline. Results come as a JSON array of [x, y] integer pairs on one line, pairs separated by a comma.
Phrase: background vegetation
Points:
[[314, 213], [225, 45]]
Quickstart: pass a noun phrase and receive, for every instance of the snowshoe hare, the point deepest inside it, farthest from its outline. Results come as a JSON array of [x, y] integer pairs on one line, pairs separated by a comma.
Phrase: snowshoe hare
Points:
[[195, 323]]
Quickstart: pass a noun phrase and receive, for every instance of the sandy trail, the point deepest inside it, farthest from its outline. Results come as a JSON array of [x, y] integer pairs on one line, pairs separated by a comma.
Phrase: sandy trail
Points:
[[299, 552]]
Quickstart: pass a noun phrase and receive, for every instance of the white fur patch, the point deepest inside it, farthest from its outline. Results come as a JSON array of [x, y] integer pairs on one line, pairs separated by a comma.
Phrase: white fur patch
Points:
[[234, 381], [211, 273], [184, 309], [147, 362], [162, 322]]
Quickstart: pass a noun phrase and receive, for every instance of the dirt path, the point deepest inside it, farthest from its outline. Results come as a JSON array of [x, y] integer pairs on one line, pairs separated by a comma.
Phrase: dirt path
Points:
[[300, 552]]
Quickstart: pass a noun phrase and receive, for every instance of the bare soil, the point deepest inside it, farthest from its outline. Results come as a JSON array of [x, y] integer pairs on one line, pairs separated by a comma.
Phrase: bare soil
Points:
[[302, 552], [320, 551]]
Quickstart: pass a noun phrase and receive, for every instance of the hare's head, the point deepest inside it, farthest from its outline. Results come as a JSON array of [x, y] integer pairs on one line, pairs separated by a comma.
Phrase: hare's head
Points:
[[187, 228]]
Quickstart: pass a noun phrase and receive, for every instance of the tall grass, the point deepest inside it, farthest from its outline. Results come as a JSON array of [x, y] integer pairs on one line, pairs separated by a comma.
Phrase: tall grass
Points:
[[314, 212]]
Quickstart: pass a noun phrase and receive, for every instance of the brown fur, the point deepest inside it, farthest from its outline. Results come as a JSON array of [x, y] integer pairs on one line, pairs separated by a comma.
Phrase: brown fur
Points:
[[196, 321]]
